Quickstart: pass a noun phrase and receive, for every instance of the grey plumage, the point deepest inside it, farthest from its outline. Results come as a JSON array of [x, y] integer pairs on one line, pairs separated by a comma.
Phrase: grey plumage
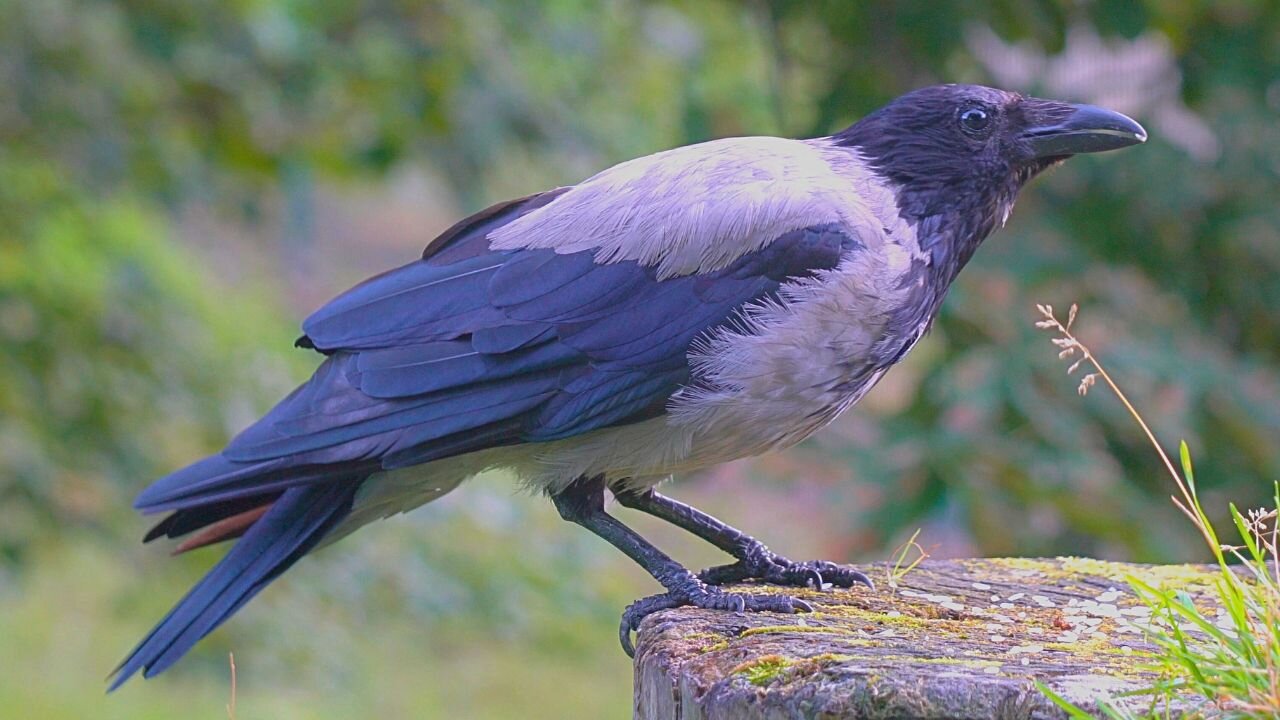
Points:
[[679, 310]]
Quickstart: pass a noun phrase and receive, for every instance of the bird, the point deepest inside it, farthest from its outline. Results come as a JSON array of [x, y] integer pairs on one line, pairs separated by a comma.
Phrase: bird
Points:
[[672, 312]]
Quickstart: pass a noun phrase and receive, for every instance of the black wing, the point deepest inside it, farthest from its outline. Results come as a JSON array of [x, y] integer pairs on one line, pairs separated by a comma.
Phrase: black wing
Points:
[[469, 349]]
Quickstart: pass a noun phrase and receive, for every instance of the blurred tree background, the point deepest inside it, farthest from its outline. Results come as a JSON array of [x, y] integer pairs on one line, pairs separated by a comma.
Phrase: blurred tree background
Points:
[[180, 183]]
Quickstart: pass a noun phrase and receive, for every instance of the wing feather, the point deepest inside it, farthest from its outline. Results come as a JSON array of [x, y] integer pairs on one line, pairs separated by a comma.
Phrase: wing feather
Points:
[[502, 347]]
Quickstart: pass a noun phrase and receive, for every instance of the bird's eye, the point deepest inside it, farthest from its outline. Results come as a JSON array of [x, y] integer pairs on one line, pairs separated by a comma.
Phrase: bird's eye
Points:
[[974, 120]]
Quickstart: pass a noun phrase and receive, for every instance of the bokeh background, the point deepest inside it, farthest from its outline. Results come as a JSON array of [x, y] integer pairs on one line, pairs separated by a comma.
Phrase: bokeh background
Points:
[[182, 182]]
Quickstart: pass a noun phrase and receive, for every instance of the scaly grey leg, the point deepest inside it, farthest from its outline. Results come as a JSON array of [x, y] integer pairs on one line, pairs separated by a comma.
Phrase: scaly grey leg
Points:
[[755, 560], [583, 503]]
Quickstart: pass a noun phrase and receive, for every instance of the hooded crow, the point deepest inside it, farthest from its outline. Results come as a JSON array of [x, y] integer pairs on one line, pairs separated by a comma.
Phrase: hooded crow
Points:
[[683, 309]]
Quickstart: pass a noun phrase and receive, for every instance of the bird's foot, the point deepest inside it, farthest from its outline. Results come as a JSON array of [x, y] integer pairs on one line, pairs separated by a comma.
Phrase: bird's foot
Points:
[[765, 565], [697, 594]]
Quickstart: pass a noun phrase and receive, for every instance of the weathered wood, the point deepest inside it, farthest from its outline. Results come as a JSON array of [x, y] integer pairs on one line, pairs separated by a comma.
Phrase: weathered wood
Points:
[[955, 639]]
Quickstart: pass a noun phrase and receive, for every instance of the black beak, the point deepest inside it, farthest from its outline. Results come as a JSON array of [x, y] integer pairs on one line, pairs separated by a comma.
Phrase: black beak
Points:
[[1086, 129]]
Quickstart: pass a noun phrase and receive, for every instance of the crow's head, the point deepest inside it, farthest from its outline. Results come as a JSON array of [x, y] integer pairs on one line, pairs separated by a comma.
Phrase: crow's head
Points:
[[957, 155]]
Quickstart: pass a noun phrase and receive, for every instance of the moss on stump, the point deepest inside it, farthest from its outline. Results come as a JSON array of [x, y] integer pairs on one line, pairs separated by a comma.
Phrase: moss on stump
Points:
[[954, 639]]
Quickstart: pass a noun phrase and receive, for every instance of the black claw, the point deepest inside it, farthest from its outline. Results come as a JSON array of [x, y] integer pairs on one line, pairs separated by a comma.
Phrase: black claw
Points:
[[844, 576], [810, 577], [639, 610], [624, 638]]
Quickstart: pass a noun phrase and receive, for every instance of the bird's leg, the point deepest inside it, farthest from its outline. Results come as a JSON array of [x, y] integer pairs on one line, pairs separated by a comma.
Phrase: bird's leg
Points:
[[755, 561], [583, 503]]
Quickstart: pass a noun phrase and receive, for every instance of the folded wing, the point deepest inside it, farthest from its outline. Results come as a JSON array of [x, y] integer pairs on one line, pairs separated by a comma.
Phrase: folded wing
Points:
[[434, 360]]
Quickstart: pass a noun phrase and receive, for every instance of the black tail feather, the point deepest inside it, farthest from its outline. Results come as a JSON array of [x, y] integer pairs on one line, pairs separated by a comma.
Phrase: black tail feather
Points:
[[296, 522]]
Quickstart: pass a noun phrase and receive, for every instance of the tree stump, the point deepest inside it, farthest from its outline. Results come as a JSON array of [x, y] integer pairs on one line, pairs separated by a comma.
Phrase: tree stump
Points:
[[953, 639]]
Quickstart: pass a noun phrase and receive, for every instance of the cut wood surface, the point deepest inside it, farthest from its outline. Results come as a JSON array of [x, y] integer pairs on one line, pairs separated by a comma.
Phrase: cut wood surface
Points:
[[953, 639]]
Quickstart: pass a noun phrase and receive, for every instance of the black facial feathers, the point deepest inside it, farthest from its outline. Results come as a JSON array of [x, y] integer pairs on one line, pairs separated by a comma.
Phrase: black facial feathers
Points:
[[956, 156]]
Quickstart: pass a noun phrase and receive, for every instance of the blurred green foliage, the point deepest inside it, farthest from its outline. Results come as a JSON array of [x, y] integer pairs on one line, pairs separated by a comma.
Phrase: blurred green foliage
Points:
[[127, 348], [117, 360]]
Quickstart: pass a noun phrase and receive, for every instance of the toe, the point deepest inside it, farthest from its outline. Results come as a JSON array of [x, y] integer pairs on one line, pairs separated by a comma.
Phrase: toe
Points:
[[638, 611], [624, 637], [848, 577], [842, 576]]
